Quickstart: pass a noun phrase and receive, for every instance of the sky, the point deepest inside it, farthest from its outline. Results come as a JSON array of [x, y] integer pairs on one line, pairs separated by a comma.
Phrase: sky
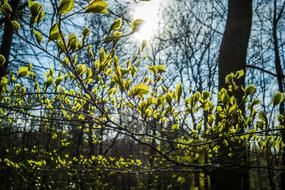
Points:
[[150, 12]]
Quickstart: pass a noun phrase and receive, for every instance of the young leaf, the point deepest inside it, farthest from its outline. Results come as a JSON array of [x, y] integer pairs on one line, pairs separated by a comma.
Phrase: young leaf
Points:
[[139, 90], [161, 68], [48, 81], [174, 127], [239, 74], [144, 44], [113, 38], [96, 6], [37, 12], [81, 69], [280, 118], [86, 32], [102, 55], [66, 6], [206, 95], [262, 116], [39, 36], [178, 92], [136, 25], [23, 71], [2, 60], [15, 25], [277, 98], [117, 24], [112, 91], [152, 69], [6, 8], [250, 90], [58, 80], [54, 32], [72, 42]]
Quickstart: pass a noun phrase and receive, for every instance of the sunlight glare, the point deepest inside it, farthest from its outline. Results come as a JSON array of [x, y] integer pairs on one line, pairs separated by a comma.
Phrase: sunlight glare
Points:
[[150, 12]]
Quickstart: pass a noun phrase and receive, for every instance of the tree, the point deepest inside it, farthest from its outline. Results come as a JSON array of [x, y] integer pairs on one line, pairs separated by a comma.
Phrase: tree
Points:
[[278, 67], [7, 36], [232, 58], [53, 118]]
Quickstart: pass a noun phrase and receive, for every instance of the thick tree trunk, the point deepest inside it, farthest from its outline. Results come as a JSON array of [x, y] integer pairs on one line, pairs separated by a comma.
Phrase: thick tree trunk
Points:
[[5, 51], [278, 66], [8, 37], [234, 45], [232, 58]]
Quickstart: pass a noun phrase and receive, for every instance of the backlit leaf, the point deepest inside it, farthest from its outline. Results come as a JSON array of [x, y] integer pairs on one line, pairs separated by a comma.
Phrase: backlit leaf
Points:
[[66, 6], [23, 71], [139, 90]]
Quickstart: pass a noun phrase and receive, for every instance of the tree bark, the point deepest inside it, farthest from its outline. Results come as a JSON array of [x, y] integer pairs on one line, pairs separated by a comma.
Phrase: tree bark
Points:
[[7, 37], [277, 59], [235, 40], [232, 58]]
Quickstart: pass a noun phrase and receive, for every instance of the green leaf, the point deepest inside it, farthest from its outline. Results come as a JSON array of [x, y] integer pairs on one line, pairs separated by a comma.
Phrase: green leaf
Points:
[[58, 80], [86, 32], [168, 97], [161, 68], [175, 127], [37, 12], [250, 90], [61, 46], [206, 94], [229, 78], [23, 71], [97, 6], [113, 38], [144, 44], [277, 98], [117, 24], [102, 55], [15, 25], [66, 6], [72, 42], [39, 36], [178, 92], [239, 74], [156, 69], [225, 98], [48, 81], [139, 90], [54, 32], [280, 118], [81, 69], [152, 69], [253, 103], [30, 67], [112, 91], [6, 8], [118, 34], [136, 25], [262, 116], [2, 60]]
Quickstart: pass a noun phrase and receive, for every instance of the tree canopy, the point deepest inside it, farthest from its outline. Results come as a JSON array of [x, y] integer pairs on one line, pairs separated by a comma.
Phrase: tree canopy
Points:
[[83, 108]]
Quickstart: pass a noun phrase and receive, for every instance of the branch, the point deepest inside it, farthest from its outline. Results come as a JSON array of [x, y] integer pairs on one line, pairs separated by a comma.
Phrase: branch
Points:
[[265, 71]]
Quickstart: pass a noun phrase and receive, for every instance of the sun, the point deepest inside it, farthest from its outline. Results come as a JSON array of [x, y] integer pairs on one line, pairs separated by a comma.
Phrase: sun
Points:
[[150, 12]]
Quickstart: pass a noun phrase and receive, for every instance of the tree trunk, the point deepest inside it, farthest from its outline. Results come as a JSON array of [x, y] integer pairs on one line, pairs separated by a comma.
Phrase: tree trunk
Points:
[[5, 51], [232, 58], [8, 36], [234, 45], [277, 59]]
